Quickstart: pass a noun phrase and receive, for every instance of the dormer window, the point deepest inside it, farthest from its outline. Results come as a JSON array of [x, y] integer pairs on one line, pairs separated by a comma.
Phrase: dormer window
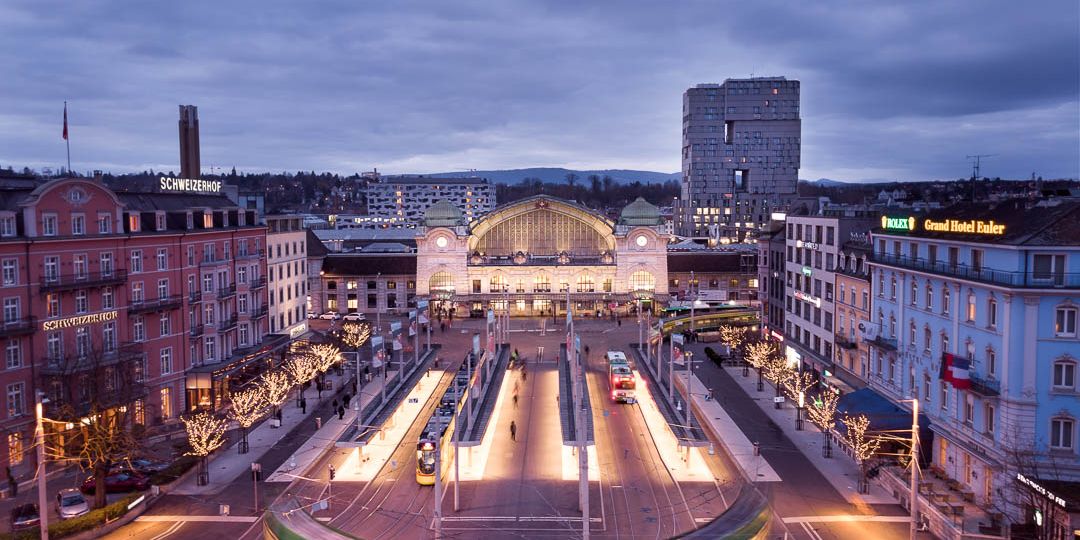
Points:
[[133, 222], [159, 219], [208, 219], [190, 220], [7, 226]]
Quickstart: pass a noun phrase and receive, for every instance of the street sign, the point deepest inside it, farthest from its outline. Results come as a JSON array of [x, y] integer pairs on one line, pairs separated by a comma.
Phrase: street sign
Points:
[[779, 399]]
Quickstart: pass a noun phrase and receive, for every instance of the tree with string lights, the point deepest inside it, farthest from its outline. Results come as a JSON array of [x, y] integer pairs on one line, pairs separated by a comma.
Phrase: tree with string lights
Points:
[[797, 383], [822, 412], [863, 446], [756, 355], [354, 334], [733, 337], [206, 433], [302, 368], [247, 407], [776, 371], [276, 385]]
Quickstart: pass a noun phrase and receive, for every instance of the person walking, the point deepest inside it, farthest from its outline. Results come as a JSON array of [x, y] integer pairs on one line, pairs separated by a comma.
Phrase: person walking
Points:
[[515, 400], [341, 412], [345, 400], [513, 430], [334, 405]]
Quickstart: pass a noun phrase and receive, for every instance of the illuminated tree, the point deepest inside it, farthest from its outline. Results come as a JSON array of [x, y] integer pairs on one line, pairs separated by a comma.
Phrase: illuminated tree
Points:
[[776, 371], [276, 385], [756, 355], [247, 407], [205, 433], [326, 355], [354, 334], [822, 412], [732, 336], [302, 368], [863, 447]]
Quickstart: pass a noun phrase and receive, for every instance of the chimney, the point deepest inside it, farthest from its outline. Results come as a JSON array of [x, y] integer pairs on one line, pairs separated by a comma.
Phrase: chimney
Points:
[[97, 177], [189, 142]]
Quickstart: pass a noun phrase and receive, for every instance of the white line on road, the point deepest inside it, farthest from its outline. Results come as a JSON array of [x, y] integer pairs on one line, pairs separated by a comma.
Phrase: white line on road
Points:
[[849, 518], [520, 518], [173, 528], [810, 531], [200, 519]]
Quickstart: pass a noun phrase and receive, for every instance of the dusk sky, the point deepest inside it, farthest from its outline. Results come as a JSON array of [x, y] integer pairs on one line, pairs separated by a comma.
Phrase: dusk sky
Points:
[[900, 92]]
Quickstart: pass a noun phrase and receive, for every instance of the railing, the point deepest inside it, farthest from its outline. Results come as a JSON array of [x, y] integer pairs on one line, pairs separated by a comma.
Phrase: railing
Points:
[[882, 343], [251, 254], [228, 324], [18, 327], [258, 283], [196, 332], [194, 297], [213, 261], [226, 292], [160, 304], [843, 342], [1036, 280], [985, 387], [63, 409], [74, 363], [87, 279], [545, 260], [261, 312]]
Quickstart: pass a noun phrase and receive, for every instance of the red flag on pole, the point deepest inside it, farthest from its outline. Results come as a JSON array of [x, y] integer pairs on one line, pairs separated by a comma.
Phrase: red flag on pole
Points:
[[65, 122]]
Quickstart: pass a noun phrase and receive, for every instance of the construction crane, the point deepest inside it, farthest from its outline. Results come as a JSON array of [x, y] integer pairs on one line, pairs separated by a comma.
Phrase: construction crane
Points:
[[976, 162]]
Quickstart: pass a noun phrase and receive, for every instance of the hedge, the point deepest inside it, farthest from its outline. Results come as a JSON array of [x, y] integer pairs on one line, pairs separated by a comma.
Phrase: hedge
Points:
[[73, 526]]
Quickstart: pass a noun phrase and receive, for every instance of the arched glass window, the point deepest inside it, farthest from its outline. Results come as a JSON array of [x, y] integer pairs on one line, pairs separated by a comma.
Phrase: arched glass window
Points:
[[585, 283], [441, 282], [642, 281]]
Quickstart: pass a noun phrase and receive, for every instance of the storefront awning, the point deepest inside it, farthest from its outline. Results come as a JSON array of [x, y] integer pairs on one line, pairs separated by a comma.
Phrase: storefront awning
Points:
[[884, 415]]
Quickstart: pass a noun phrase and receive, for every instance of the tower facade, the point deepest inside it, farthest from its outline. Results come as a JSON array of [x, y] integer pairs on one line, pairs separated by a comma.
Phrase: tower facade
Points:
[[740, 156]]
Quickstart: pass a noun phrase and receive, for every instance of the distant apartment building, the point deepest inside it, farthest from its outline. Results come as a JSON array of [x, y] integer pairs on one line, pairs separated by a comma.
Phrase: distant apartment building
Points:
[[740, 156], [286, 268], [812, 248], [852, 308], [771, 268], [974, 314], [405, 198]]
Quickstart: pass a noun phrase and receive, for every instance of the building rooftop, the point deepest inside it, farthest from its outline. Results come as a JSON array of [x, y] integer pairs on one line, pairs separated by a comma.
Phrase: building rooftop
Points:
[[1046, 222], [365, 264], [428, 180], [640, 212], [717, 261]]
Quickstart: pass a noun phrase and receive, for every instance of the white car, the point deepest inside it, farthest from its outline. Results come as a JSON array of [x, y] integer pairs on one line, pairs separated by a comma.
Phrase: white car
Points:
[[354, 317], [71, 503], [330, 316]]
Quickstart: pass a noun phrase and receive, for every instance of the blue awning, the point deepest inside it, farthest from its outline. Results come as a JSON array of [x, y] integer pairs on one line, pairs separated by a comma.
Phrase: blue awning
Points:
[[884, 415]]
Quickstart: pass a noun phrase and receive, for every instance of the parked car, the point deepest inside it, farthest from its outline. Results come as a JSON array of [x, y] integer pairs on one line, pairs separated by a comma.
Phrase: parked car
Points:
[[141, 466], [354, 317], [330, 316], [24, 516], [71, 503], [119, 482]]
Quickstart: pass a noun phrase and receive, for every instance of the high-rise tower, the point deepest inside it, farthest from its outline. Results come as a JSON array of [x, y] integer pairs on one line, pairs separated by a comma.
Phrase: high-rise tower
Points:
[[189, 142], [740, 156]]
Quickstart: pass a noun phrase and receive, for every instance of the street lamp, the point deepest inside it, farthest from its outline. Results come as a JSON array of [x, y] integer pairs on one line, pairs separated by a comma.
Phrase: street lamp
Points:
[[798, 410]]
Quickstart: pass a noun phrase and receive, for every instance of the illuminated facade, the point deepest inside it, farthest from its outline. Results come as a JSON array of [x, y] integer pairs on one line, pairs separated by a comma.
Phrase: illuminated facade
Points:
[[533, 252], [404, 199]]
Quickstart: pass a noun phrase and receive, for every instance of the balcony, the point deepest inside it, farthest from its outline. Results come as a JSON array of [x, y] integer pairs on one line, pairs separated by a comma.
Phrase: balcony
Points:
[[160, 304], [251, 254], [194, 297], [260, 312], [882, 343], [985, 387], [228, 324], [69, 282], [1027, 280], [258, 283], [843, 342], [196, 332], [93, 360], [18, 327], [59, 408], [213, 261], [226, 292]]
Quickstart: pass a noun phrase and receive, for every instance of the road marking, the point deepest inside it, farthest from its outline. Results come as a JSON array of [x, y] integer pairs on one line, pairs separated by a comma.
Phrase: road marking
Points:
[[810, 531], [704, 520], [200, 519], [520, 518], [848, 518], [175, 526]]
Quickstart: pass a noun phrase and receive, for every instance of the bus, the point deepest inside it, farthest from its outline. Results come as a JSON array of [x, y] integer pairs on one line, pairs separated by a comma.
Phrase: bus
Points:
[[621, 378]]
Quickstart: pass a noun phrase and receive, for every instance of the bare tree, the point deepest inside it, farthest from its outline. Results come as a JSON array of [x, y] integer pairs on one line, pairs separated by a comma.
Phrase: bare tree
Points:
[[97, 396]]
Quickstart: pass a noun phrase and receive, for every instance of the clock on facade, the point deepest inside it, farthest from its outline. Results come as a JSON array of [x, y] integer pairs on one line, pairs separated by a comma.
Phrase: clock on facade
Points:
[[441, 241], [641, 240]]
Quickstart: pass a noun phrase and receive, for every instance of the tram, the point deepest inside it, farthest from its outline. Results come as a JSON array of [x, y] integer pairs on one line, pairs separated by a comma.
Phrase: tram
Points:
[[621, 378]]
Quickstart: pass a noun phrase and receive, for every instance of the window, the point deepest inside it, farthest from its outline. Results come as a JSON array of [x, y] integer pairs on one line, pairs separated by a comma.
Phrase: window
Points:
[[13, 354], [54, 346], [7, 226], [929, 296], [1061, 431], [136, 261], [137, 293], [11, 272], [191, 255], [988, 418], [976, 260], [971, 307], [15, 448], [162, 259], [52, 268], [969, 408], [105, 261], [11, 309], [991, 362], [107, 298], [945, 299], [52, 305], [926, 389], [159, 219], [133, 221], [16, 403], [166, 360], [82, 303], [1064, 375], [243, 333], [208, 283], [241, 275], [1049, 268], [138, 329], [48, 224], [242, 303], [165, 325], [80, 266], [82, 341], [943, 392], [78, 224], [208, 314], [927, 338], [914, 292], [166, 403], [991, 313], [108, 335], [104, 224], [163, 288], [892, 287], [1065, 322], [944, 342]]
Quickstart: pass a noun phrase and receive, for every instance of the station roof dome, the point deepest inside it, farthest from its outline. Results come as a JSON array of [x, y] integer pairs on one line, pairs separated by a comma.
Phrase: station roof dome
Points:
[[640, 212], [443, 214]]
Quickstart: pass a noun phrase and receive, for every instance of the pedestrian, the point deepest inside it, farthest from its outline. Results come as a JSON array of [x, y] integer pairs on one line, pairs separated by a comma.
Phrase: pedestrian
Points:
[[515, 401], [524, 373], [442, 327], [14, 486], [354, 382], [345, 400], [303, 405], [619, 322], [513, 431], [341, 412], [334, 405]]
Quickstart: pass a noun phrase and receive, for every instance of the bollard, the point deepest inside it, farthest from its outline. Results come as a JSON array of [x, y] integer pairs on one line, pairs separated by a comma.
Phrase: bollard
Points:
[[757, 449], [318, 423]]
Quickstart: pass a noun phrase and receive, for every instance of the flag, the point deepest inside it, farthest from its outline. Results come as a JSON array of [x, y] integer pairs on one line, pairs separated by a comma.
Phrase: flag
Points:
[[65, 122], [412, 329], [956, 371], [397, 343]]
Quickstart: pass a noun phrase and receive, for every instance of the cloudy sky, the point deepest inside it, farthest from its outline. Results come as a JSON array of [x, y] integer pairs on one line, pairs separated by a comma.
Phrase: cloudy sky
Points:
[[901, 91]]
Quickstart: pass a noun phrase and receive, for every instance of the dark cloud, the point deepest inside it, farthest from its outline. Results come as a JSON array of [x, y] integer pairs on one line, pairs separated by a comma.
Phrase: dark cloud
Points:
[[889, 91]]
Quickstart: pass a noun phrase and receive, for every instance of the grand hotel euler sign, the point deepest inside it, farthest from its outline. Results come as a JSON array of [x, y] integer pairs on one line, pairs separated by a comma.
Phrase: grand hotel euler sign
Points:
[[964, 226]]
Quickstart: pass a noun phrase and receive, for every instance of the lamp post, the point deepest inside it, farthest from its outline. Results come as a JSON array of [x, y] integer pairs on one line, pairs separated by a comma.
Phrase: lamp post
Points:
[[798, 410], [39, 435], [378, 312], [689, 387], [914, 495]]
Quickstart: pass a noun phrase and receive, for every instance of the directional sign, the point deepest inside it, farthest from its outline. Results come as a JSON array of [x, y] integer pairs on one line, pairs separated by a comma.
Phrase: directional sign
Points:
[[779, 399]]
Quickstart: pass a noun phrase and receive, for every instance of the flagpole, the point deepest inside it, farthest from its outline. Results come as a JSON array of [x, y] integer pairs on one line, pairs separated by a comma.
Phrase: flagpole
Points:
[[67, 140]]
